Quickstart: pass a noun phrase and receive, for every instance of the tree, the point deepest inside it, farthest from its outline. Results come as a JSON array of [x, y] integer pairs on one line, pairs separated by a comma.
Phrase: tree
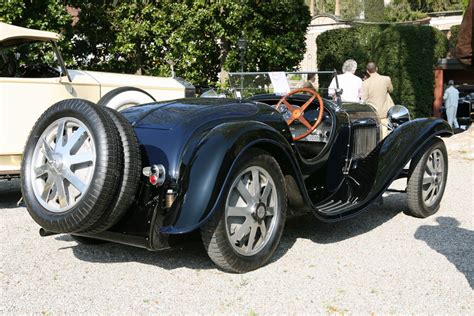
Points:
[[374, 10], [407, 53], [433, 5], [198, 37], [43, 15]]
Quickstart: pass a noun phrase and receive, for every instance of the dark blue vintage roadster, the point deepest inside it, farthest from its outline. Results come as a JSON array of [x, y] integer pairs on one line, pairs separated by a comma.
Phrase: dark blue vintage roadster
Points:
[[231, 168]]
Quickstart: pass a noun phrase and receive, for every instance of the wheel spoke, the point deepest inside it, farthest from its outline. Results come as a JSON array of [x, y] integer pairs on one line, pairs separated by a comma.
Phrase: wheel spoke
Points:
[[266, 193], [263, 230], [81, 158], [241, 232], [41, 170], [252, 241], [244, 192], [75, 181], [60, 134], [76, 140], [256, 183], [62, 197], [427, 179], [47, 189], [48, 152], [434, 194], [237, 211], [270, 211], [427, 193]]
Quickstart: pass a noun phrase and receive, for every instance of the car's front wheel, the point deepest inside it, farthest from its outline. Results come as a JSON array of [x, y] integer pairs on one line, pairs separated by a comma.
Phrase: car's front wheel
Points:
[[244, 234], [427, 179]]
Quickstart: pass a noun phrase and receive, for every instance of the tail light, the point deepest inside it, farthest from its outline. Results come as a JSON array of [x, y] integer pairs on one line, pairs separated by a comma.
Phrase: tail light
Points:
[[156, 174]]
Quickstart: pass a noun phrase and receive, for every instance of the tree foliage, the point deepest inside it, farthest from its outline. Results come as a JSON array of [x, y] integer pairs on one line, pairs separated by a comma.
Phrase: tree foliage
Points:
[[405, 53], [42, 15], [374, 10], [198, 36], [432, 5]]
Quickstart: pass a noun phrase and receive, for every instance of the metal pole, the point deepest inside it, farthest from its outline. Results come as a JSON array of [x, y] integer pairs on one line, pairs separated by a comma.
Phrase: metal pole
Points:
[[241, 72]]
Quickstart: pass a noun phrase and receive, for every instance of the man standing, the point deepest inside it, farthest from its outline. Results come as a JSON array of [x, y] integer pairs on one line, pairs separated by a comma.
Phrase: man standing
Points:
[[348, 82], [310, 82], [376, 91], [451, 98]]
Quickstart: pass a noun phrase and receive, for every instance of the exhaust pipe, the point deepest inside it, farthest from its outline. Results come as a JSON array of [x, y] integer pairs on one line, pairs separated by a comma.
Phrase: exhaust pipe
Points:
[[44, 233]]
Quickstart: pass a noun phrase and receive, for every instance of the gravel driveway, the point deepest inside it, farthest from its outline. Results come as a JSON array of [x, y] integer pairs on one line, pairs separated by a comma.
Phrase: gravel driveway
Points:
[[381, 262]]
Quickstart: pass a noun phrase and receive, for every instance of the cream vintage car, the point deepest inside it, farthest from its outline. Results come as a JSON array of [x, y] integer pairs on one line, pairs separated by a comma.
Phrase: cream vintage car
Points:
[[33, 77]]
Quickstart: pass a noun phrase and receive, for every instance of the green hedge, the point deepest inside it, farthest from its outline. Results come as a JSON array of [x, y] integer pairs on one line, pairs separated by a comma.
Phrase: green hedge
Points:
[[405, 53]]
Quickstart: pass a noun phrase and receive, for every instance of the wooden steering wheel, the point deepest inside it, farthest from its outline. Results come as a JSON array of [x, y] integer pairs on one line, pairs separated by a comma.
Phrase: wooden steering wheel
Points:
[[297, 113]]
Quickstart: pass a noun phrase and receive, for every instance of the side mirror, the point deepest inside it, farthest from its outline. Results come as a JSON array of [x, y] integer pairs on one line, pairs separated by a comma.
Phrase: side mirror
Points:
[[398, 114]]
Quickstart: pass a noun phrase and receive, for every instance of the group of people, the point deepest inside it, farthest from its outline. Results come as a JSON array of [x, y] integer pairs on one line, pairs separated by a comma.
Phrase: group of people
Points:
[[375, 89]]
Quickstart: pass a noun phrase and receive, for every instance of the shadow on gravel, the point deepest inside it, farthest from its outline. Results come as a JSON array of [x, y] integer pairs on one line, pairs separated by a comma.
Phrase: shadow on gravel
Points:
[[455, 243], [188, 254], [10, 193], [189, 251]]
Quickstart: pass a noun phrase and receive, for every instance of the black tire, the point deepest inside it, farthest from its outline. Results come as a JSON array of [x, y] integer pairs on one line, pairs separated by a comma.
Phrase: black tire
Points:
[[139, 96], [84, 211], [87, 241], [420, 171], [215, 234], [130, 177]]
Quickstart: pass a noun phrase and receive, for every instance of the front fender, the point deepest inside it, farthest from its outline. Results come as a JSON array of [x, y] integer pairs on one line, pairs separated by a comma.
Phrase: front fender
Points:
[[204, 175], [382, 166]]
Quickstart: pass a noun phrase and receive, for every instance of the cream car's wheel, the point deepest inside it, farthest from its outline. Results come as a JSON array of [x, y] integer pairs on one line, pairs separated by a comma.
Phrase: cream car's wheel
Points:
[[244, 235], [69, 167], [125, 97], [427, 179]]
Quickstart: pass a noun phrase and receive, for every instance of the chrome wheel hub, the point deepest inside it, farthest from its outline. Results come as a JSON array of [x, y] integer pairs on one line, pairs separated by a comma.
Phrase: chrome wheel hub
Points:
[[251, 211], [433, 177], [63, 164]]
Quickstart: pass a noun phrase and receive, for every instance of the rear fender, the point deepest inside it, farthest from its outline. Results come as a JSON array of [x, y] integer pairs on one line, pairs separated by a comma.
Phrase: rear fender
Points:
[[205, 175]]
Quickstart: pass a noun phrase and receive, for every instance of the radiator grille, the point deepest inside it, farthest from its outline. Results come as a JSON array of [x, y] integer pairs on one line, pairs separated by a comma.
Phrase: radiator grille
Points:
[[364, 140]]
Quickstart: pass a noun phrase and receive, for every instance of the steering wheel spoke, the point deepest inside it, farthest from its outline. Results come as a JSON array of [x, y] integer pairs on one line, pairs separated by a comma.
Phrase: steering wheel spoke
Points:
[[297, 113], [305, 122]]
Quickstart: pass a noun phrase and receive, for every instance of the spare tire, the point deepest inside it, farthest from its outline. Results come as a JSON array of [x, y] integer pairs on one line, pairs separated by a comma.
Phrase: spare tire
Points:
[[130, 177], [71, 166]]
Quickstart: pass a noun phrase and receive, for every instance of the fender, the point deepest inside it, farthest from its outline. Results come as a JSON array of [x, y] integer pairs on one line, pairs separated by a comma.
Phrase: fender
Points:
[[205, 178], [372, 175]]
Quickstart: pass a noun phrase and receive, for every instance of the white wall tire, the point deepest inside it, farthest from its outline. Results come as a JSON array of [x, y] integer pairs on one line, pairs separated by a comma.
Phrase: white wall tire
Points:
[[122, 98]]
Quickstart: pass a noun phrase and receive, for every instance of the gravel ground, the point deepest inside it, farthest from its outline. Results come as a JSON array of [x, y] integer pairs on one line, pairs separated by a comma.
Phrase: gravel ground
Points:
[[381, 262]]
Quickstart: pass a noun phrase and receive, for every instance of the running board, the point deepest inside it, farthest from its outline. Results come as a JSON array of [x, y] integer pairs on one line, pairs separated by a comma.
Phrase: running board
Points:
[[332, 206]]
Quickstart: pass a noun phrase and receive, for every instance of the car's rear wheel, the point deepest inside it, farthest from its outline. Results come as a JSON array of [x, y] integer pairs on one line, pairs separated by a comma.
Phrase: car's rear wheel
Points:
[[125, 97], [427, 179], [244, 234], [70, 167]]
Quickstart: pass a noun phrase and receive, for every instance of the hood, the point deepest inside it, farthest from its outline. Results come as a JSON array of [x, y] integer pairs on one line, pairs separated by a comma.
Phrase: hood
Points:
[[188, 112]]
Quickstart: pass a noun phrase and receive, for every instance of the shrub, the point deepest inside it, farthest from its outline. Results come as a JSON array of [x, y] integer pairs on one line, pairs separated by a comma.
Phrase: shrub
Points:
[[406, 53], [336, 46]]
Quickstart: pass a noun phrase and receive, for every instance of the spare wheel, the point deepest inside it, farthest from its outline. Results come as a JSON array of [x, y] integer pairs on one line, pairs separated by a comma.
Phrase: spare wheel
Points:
[[71, 166]]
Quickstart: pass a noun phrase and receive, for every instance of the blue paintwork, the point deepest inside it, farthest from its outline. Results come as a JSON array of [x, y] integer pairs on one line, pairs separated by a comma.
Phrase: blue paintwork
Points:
[[199, 140]]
